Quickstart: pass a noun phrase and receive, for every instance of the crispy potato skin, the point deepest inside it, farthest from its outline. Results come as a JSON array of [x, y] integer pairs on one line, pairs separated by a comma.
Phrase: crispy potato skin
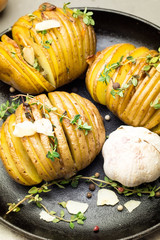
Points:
[[134, 107], [61, 52], [25, 158]]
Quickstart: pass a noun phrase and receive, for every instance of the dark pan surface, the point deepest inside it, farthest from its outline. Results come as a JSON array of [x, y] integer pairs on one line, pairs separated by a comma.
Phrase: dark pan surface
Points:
[[111, 27]]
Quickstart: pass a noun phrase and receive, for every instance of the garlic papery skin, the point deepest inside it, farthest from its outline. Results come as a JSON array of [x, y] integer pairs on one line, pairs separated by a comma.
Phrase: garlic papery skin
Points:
[[132, 156]]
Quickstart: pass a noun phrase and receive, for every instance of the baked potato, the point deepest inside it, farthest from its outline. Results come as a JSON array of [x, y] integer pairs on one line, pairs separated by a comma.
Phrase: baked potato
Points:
[[127, 80], [49, 49], [78, 136]]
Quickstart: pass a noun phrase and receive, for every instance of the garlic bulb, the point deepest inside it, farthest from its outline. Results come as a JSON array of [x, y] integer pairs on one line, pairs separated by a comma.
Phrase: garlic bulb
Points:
[[132, 156]]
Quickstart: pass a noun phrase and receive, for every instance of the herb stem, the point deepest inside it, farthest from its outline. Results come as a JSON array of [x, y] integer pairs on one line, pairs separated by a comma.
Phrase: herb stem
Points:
[[20, 202]]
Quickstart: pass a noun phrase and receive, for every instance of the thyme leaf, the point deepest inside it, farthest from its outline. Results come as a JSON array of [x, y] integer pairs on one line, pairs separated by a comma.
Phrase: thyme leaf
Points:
[[120, 91], [8, 108], [65, 6], [156, 104], [53, 154], [87, 16]]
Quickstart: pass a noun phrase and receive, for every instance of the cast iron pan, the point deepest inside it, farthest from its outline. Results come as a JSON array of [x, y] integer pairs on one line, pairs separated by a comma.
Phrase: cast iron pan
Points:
[[111, 27]]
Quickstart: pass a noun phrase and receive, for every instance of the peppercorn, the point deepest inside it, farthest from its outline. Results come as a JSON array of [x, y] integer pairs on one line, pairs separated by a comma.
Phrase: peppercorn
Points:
[[107, 117], [120, 189], [157, 194], [12, 90], [116, 85], [89, 195], [120, 208], [92, 187], [97, 174], [96, 229]]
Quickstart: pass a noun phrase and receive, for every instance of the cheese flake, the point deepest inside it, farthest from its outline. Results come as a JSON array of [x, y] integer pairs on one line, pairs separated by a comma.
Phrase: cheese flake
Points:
[[46, 217], [47, 24], [74, 207], [131, 205], [107, 197]]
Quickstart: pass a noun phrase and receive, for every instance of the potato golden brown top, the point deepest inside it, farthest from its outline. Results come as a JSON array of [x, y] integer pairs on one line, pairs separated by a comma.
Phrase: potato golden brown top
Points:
[[49, 49], [127, 80], [77, 137]]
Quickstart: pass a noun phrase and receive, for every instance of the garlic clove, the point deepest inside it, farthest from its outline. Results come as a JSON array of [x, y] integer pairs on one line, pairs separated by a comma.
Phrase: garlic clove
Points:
[[28, 55], [74, 207], [25, 128], [107, 197], [47, 24], [44, 126]]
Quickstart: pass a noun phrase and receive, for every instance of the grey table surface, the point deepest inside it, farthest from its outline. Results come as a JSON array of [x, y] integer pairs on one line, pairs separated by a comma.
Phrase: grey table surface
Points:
[[147, 9]]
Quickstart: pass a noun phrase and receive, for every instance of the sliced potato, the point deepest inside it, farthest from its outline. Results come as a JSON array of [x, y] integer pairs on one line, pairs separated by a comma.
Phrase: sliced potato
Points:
[[60, 52], [71, 148], [130, 87]]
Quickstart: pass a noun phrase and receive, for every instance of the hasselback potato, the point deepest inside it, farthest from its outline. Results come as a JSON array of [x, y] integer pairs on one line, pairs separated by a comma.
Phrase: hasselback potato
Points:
[[127, 80], [49, 49], [78, 136]]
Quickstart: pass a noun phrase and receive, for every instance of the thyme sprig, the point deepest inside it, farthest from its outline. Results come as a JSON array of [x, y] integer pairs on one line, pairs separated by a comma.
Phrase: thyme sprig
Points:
[[155, 104], [150, 61], [76, 120], [34, 192], [87, 16], [105, 77], [53, 154], [8, 108], [120, 91]]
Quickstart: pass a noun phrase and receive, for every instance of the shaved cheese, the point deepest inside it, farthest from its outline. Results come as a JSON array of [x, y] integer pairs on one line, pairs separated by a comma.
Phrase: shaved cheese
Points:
[[25, 128], [28, 128], [44, 126], [46, 217], [132, 204], [47, 24], [74, 207], [107, 197]]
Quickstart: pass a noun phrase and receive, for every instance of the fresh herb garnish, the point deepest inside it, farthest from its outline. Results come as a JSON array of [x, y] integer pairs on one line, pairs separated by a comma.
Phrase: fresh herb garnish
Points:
[[87, 16], [65, 6], [120, 91], [8, 108], [13, 54], [53, 154], [36, 65], [32, 16], [34, 194], [155, 104], [44, 7], [105, 77], [76, 120], [49, 41]]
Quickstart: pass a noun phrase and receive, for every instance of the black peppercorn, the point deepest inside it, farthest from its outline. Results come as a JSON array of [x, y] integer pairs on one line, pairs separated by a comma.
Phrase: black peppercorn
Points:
[[89, 195], [92, 187], [116, 85]]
